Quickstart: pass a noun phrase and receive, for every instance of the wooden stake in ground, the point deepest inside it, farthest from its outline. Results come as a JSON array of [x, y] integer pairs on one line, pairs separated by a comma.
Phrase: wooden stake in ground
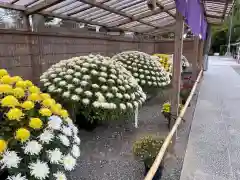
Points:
[[195, 59], [176, 78]]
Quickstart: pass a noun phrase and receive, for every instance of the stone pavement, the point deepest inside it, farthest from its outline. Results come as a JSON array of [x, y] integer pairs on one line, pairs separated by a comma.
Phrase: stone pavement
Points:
[[213, 150]]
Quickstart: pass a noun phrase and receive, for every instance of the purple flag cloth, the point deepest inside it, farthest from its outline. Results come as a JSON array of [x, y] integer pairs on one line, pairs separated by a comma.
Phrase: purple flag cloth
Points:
[[194, 15]]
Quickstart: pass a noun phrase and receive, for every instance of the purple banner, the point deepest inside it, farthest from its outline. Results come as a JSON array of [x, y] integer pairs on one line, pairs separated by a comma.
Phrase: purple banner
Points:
[[193, 13]]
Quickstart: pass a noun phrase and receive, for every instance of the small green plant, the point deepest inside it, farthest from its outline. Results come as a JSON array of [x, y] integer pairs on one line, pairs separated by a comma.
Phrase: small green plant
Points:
[[147, 148]]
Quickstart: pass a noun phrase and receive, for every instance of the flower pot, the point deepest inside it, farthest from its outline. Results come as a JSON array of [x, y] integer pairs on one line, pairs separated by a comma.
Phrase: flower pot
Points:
[[4, 174], [158, 174], [83, 123]]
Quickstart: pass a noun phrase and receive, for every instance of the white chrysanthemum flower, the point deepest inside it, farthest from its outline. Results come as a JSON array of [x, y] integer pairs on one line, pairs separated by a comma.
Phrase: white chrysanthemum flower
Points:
[[113, 71], [46, 137], [122, 88], [17, 177], [111, 81], [112, 106], [103, 68], [78, 90], [69, 162], [57, 79], [119, 95], [55, 122], [68, 77], [51, 88], [86, 77], [85, 101], [135, 103], [32, 148], [83, 83], [127, 96], [55, 156], [115, 89], [39, 170], [96, 104], [70, 86], [60, 176], [66, 94], [129, 105], [95, 86], [88, 93], [77, 74], [127, 86], [70, 71], [102, 79], [75, 151], [122, 106], [67, 130], [75, 98], [44, 80], [76, 81], [77, 140], [104, 88], [62, 83], [53, 75], [109, 95], [10, 159], [64, 140], [59, 90], [94, 72], [84, 69]]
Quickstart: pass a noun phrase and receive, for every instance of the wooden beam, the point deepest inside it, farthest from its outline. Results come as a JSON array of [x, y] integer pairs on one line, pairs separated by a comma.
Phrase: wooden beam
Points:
[[176, 78], [12, 6], [162, 7], [112, 10], [14, 1], [225, 9], [147, 14], [41, 6]]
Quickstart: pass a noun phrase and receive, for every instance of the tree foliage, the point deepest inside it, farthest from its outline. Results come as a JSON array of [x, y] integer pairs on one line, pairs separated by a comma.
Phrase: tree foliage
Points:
[[220, 34]]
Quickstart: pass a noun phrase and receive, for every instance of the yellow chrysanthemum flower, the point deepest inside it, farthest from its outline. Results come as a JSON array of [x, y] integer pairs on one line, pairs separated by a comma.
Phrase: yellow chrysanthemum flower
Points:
[[3, 72], [6, 79], [18, 92], [48, 102], [35, 123], [3, 145], [45, 96], [55, 110], [5, 88], [21, 84], [15, 114], [34, 97], [59, 106], [28, 83], [64, 113], [27, 105], [16, 79], [45, 112], [34, 89], [9, 101], [22, 134]]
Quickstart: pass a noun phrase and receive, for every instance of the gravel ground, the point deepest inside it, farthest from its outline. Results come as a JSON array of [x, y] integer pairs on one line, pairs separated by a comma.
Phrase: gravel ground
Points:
[[173, 164], [106, 153]]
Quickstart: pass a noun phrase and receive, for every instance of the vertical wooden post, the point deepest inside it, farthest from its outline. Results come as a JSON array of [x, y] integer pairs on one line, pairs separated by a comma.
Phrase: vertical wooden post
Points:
[[196, 58], [176, 78], [201, 54]]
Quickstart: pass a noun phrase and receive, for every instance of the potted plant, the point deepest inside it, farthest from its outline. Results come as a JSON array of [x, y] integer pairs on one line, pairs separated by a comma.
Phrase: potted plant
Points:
[[166, 111], [37, 138], [95, 88], [146, 149]]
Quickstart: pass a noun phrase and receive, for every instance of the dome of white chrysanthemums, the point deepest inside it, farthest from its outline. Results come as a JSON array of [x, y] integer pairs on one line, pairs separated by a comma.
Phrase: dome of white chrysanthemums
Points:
[[184, 61], [148, 72], [95, 83], [37, 138]]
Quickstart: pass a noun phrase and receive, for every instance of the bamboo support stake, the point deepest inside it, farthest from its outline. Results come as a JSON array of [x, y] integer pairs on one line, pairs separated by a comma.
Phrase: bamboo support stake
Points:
[[195, 59], [168, 139]]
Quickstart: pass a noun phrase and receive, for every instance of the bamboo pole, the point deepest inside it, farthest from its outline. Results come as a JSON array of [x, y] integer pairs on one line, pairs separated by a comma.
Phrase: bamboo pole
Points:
[[168, 139]]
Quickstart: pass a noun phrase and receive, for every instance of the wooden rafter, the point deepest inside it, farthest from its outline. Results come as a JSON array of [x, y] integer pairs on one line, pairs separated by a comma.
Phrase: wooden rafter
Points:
[[112, 10], [162, 7], [147, 14], [41, 6]]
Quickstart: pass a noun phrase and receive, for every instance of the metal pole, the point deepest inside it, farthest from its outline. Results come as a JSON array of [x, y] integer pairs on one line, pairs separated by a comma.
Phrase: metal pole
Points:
[[228, 53]]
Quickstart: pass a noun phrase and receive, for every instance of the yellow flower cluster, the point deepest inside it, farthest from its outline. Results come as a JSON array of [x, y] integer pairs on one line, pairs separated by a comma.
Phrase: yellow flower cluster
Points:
[[17, 99], [164, 60], [166, 108]]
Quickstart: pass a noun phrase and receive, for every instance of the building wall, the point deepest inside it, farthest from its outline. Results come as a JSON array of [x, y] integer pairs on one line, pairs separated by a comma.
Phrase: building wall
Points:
[[29, 54]]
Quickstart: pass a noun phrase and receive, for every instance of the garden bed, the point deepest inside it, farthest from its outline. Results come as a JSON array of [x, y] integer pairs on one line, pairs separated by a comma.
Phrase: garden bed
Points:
[[106, 153]]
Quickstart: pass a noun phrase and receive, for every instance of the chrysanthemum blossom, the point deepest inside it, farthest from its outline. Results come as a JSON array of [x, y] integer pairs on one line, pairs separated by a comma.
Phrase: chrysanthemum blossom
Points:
[[32, 148], [39, 170], [17, 177], [97, 83], [69, 162], [147, 71], [10, 159]]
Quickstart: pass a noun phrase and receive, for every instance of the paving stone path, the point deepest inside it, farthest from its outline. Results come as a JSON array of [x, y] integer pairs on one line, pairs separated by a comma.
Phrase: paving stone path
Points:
[[213, 150]]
